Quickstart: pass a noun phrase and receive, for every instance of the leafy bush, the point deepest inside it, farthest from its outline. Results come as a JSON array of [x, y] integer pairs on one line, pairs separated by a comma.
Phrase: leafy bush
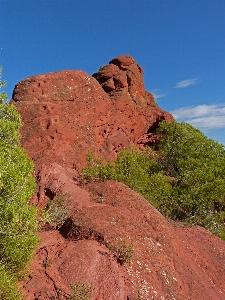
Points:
[[123, 253], [131, 167], [183, 178], [8, 288], [198, 164], [81, 291], [18, 225], [55, 212]]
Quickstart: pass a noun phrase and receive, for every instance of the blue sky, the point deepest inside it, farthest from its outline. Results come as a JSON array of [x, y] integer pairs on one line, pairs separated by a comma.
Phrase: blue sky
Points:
[[180, 44]]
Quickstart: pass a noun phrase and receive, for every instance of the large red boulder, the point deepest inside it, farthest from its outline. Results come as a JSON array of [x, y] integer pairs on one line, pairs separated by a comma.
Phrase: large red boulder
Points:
[[67, 113]]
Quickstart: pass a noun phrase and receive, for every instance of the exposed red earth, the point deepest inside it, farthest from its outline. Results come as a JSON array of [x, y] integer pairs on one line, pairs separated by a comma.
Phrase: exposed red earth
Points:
[[67, 113]]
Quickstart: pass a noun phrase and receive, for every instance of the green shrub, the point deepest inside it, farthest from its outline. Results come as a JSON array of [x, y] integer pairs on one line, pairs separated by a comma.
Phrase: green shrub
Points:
[[198, 164], [184, 178], [56, 212], [131, 167], [8, 288], [18, 222], [136, 169], [123, 252], [81, 291]]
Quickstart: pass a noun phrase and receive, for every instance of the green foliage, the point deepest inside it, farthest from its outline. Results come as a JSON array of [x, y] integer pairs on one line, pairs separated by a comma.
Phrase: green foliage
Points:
[[81, 291], [56, 211], [139, 295], [8, 288], [101, 68], [131, 168], [137, 170], [18, 225], [184, 178], [3, 95], [198, 164], [159, 193], [123, 252]]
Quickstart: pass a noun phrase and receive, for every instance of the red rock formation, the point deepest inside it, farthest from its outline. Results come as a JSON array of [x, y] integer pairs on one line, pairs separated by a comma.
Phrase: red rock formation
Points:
[[123, 77], [168, 262], [67, 113]]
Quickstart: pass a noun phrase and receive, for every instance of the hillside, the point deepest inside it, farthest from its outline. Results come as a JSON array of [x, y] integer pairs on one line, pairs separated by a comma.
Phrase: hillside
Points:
[[65, 114]]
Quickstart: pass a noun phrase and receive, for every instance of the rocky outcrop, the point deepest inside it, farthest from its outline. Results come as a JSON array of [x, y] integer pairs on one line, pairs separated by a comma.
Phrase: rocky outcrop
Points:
[[65, 114], [123, 77], [68, 113]]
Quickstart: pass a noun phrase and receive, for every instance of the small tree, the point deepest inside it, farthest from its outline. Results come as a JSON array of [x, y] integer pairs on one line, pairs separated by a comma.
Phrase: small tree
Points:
[[198, 164], [18, 225]]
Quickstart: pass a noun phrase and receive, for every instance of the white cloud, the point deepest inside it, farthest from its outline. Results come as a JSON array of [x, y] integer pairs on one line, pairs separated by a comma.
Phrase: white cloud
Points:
[[185, 83], [207, 123], [158, 94], [204, 117]]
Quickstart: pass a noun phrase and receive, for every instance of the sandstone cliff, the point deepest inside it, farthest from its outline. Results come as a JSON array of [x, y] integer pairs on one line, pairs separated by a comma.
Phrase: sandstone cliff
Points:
[[67, 113]]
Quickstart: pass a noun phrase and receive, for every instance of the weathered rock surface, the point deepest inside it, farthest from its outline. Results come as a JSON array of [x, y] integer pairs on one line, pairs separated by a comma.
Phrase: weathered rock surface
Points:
[[68, 113], [123, 77], [65, 114], [168, 262]]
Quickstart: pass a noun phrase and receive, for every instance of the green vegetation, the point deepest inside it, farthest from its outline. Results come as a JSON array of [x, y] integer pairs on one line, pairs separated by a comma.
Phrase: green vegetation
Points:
[[183, 177], [81, 291], [139, 295], [198, 165], [18, 225], [8, 288], [123, 253], [56, 212], [101, 68]]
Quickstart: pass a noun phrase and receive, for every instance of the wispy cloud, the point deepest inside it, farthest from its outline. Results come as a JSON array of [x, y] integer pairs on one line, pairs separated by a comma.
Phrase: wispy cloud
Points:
[[185, 83], [158, 94], [204, 117]]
